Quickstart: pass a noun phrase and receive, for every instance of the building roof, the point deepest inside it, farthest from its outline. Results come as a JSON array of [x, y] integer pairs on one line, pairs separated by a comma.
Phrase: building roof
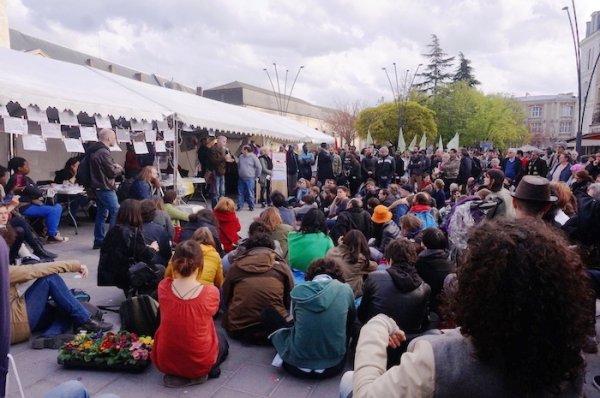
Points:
[[22, 42], [547, 98], [240, 93]]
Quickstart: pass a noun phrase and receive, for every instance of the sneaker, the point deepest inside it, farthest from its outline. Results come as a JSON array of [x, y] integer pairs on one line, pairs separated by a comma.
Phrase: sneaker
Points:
[[94, 325], [251, 209], [57, 239], [97, 245], [52, 342], [176, 381], [238, 209]]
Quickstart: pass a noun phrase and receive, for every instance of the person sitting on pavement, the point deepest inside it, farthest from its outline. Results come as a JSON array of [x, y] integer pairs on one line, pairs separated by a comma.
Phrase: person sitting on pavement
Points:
[[177, 216], [280, 203], [399, 292], [433, 265], [30, 287], [323, 310], [310, 242], [385, 230], [146, 184], [352, 253], [23, 234], [153, 232], [203, 218], [212, 269], [307, 203], [123, 243], [256, 291], [187, 346], [162, 218], [522, 321], [353, 217], [229, 223], [278, 230], [30, 204]]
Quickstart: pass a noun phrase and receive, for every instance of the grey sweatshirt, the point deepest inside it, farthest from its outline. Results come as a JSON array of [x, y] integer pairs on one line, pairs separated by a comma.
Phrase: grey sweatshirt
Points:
[[249, 166]]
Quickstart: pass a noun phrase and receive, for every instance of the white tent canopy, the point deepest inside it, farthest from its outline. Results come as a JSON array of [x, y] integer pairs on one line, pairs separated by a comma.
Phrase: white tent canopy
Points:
[[43, 82]]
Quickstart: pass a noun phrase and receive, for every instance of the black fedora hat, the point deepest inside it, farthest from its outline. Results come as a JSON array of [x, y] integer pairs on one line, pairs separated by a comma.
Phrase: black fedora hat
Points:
[[535, 189]]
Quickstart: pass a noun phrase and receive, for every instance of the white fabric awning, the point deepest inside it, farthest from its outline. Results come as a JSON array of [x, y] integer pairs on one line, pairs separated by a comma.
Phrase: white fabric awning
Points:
[[43, 82]]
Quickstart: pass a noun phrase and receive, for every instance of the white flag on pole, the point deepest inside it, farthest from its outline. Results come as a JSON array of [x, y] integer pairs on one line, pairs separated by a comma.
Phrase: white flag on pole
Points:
[[401, 142], [440, 144], [453, 143], [423, 143], [413, 143]]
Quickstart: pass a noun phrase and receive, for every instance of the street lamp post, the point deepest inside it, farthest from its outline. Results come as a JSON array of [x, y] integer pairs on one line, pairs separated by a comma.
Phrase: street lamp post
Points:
[[581, 101], [282, 99]]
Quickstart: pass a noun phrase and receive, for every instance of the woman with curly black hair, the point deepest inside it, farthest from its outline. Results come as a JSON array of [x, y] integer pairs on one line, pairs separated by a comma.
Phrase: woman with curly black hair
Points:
[[310, 242], [522, 309]]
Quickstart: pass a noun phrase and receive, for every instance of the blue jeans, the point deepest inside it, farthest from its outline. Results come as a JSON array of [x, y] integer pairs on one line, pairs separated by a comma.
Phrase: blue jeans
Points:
[[73, 389], [219, 189], [106, 200], [42, 316], [246, 192], [50, 213]]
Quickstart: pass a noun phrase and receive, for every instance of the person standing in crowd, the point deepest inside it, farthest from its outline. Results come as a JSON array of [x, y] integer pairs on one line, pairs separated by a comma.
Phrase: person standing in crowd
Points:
[[249, 170], [324, 165], [336, 165], [306, 160], [291, 165], [203, 156], [354, 174], [368, 165], [218, 158], [265, 177], [562, 169], [103, 171], [553, 158], [537, 166], [494, 181], [521, 302], [512, 167], [400, 166], [385, 168], [451, 168], [416, 167], [464, 170], [593, 166]]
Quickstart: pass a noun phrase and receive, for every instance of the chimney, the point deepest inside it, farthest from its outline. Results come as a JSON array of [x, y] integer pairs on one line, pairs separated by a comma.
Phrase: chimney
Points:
[[4, 34], [88, 61], [199, 91], [137, 76], [111, 68]]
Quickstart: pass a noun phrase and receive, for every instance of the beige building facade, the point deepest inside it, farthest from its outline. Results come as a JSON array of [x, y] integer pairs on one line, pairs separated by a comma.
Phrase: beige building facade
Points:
[[550, 118], [590, 50]]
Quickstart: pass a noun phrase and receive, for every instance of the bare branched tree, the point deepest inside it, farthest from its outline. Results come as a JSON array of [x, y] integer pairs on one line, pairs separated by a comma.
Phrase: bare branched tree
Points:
[[341, 120]]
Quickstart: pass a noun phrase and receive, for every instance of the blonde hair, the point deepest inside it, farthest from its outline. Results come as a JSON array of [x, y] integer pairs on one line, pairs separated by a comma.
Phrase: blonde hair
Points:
[[225, 204], [204, 236], [271, 217]]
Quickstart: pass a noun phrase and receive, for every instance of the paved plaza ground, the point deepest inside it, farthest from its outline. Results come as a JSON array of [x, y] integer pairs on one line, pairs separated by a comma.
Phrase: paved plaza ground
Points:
[[246, 373]]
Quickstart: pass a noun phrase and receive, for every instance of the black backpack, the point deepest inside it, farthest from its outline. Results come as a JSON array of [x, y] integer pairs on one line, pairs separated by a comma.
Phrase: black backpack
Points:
[[124, 189], [140, 315], [84, 175]]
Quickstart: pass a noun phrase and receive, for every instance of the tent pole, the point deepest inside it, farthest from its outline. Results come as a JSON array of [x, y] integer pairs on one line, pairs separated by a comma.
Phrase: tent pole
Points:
[[176, 155]]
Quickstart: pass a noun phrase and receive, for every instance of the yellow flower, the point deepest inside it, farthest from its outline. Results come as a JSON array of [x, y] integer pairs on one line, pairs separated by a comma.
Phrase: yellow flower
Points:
[[146, 340]]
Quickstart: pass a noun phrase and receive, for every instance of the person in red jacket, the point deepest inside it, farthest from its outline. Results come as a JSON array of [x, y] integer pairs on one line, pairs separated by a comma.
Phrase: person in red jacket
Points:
[[229, 223], [187, 346]]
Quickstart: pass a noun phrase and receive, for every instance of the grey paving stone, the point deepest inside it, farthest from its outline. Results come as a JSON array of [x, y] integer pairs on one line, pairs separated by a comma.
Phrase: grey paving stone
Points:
[[255, 379]]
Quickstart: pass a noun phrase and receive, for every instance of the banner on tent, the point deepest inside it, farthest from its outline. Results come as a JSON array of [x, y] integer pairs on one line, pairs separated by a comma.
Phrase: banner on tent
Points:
[[15, 125], [51, 130], [73, 145], [34, 143], [88, 133]]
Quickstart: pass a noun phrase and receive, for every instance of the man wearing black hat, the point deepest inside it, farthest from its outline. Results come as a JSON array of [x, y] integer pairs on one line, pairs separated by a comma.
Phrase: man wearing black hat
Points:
[[532, 197]]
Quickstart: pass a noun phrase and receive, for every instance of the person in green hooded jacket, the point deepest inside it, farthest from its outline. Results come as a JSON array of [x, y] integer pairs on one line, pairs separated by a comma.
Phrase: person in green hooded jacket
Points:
[[323, 309]]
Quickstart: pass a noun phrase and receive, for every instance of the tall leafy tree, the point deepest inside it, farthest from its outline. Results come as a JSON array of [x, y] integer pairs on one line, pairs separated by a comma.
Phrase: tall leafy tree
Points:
[[382, 122], [464, 72], [435, 74]]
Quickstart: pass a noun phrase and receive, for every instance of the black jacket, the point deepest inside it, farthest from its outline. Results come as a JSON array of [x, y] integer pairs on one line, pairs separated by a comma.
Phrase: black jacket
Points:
[[385, 169], [352, 218], [399, 293], [433, 266], [368, 166], [103, 169], [121, 246], [155, 232], [464, 171]]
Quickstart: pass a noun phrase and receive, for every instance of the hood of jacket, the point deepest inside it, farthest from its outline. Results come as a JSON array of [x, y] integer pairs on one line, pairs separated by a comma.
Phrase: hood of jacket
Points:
[[95, 147], [257, 260], [316, 296], [434, 253], [224, 216], [405, 277]]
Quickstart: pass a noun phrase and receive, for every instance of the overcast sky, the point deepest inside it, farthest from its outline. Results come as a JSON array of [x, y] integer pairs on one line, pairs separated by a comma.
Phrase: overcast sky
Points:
[[516, 46]]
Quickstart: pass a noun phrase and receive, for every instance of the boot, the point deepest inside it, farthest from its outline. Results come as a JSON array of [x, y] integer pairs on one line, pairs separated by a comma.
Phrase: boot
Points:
[[38, 250]]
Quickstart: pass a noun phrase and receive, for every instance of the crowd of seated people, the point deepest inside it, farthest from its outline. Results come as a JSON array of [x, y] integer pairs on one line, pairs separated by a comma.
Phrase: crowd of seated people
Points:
[[368, 274]]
